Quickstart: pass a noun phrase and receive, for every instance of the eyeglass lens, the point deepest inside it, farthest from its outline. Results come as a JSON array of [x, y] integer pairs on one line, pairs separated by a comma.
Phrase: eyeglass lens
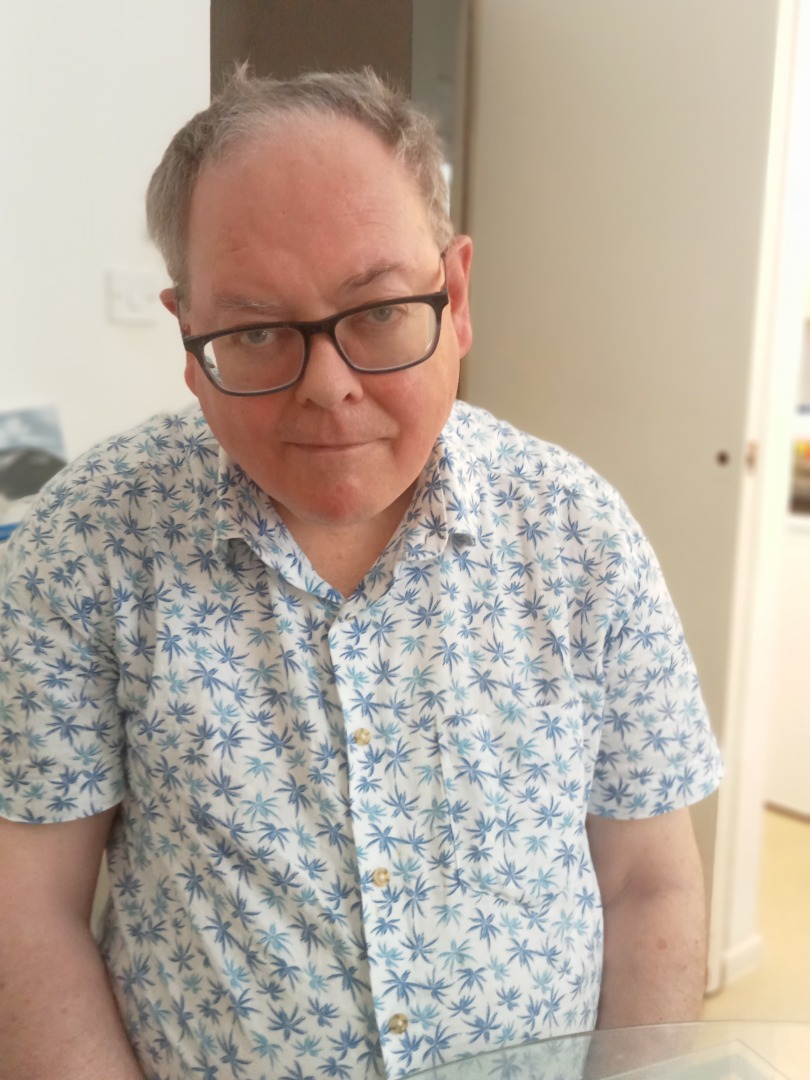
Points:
[[381, 338]]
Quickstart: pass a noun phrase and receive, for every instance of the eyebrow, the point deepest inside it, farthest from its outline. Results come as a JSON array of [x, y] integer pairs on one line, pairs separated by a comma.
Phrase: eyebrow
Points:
[[272, 310], [367, 277], [235, 302]]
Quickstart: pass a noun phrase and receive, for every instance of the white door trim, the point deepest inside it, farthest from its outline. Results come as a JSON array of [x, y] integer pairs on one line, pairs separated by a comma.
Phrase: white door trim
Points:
[[734, 943]]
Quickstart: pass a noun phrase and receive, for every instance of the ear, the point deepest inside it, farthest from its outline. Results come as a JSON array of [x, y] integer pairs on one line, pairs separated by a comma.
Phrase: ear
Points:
[[169, 300], [459, 263], [168, 297]]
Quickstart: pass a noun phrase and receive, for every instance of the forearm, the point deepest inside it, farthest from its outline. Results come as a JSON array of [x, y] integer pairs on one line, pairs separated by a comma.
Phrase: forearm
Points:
[[58, 1017], [654, 958]]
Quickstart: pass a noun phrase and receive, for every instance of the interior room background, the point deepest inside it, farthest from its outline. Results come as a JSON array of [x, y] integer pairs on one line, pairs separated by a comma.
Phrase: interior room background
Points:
[[628, 172]]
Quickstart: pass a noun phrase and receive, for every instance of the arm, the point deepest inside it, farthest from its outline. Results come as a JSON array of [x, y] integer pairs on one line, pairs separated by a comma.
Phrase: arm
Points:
[[58, 1017], [653, 899]]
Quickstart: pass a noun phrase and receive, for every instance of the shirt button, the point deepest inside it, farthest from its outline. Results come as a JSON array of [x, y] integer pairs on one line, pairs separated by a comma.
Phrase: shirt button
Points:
[[398, 1024], [362, 736], [382, 876]]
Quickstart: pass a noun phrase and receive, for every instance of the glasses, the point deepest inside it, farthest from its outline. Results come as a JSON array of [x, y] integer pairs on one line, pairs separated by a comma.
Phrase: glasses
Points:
[[263, 358]]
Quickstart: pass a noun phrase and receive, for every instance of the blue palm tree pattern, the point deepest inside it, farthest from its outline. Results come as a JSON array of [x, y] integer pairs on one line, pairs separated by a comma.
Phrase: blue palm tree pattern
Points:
[[352, 831]]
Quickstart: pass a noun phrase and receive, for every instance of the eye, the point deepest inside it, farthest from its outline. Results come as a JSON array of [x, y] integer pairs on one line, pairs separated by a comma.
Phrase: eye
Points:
[[380, 314], [259, 336], [386, 315]]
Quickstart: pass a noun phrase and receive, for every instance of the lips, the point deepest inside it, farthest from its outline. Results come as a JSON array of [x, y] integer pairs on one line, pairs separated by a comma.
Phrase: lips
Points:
[[327, 443], [333, 442], [331, 446]]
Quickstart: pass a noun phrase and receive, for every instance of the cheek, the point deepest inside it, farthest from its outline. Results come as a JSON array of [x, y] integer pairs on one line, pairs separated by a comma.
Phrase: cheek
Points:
[[242, 425], [421, 407], [191, 375], [425, 397]]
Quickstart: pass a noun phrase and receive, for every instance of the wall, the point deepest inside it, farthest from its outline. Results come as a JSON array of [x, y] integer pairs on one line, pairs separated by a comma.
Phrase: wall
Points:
[[91, 95], [804, 383], [788, 783]]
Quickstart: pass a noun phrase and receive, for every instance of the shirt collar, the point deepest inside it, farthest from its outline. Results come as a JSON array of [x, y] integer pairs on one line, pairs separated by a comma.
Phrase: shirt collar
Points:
[[244, 511], [454, 469]]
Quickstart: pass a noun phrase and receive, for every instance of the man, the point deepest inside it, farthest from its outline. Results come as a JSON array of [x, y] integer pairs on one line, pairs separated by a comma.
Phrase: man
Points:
[[378, 705]]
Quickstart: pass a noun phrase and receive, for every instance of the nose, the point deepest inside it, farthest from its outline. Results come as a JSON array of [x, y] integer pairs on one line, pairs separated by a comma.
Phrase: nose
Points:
[[327, 380]]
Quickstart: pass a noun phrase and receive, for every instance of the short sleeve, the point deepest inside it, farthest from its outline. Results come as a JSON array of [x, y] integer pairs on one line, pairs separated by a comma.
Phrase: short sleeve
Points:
[[61, 733], [657, 751]]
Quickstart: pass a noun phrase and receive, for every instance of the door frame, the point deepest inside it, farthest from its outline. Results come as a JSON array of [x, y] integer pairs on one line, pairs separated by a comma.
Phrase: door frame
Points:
[[735, 944]]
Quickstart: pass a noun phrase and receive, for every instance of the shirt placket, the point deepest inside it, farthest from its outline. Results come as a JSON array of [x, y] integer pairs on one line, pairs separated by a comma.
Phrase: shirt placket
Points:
[[395, 974]]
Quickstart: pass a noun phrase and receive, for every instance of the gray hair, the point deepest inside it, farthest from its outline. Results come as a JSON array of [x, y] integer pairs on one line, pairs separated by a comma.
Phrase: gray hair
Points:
[[248, 107]]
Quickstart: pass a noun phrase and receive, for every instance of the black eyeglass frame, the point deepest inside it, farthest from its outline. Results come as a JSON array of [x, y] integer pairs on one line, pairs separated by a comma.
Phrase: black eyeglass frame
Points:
[[196, 343]]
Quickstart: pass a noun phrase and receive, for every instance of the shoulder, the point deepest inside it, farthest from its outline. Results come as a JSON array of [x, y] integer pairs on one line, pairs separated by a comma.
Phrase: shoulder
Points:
[[119, 488], [512, 465], [132, 465], [164, 443]]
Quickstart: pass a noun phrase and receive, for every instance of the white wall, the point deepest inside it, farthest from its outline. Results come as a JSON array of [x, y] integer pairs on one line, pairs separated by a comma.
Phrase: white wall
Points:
[[788, 778], [804, 382], [91, 94], [787, 784]]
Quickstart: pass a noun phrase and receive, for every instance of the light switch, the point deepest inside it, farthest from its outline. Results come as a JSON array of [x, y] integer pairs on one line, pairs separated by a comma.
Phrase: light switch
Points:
[[131, 296]]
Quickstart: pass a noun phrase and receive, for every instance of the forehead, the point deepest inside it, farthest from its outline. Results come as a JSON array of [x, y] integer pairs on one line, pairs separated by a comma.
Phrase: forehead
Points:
[[307, 185]]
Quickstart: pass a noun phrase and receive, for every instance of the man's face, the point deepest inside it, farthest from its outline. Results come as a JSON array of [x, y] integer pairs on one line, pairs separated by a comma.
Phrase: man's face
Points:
[[313, 219]]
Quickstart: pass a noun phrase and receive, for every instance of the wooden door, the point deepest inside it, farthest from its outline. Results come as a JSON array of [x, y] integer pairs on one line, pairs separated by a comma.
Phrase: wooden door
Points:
[[286, 37]]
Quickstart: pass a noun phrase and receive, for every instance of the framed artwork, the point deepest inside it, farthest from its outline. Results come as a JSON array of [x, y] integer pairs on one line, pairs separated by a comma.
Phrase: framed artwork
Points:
[[31, 452], [800, 481]]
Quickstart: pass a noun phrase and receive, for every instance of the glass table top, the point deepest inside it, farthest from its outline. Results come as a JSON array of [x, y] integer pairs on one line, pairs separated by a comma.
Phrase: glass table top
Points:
[[722, 1050]]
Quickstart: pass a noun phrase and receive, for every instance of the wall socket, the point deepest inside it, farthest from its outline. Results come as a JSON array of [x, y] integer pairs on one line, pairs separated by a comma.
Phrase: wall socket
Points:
[[131, 295]]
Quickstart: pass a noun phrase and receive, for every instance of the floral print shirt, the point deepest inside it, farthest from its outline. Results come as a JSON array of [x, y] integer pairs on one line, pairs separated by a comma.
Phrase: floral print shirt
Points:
[[351, 839]]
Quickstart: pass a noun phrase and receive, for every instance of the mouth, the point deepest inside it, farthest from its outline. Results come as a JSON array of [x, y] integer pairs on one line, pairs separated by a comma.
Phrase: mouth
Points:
[[331, 445], [329, 449]]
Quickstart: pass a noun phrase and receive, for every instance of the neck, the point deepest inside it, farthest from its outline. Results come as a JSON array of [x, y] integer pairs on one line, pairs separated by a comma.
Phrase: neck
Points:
[[342, 554]]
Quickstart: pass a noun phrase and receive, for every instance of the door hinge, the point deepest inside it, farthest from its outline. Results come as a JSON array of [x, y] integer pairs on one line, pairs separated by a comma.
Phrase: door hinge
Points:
[[751, 454]]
